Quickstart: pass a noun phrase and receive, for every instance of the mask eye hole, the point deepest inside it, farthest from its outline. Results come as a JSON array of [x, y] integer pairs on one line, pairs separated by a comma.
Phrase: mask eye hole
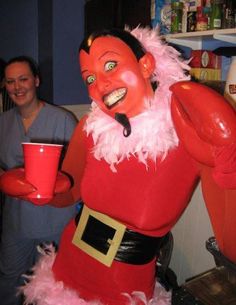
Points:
[[90, 79], [110, 65]]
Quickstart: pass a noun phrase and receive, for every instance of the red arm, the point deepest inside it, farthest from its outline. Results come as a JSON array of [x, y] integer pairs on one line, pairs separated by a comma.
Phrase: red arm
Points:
[[206, 124], [73, 165]]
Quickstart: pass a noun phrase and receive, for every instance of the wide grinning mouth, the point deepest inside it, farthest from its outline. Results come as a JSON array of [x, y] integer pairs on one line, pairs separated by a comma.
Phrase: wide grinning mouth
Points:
[[115, 97]]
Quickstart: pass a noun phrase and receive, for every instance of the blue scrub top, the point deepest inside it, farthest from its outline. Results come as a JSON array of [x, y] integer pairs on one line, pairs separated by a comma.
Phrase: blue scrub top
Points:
[[52, 125]]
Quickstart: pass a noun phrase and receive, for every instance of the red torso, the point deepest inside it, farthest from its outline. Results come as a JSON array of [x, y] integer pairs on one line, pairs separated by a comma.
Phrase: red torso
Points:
[[148, 200]]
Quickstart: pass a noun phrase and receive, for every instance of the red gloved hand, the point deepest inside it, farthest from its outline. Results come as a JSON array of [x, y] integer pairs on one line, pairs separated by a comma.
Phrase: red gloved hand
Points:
[[203, 120], [13, 183]]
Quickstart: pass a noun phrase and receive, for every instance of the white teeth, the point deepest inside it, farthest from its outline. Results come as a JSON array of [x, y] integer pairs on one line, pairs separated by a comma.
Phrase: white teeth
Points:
[[114, 97], [19, 94]]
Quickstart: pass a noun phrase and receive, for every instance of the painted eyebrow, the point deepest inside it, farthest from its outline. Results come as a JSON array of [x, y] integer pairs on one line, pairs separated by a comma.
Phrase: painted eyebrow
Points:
[[83, 71], [99, 58], [108, 52]]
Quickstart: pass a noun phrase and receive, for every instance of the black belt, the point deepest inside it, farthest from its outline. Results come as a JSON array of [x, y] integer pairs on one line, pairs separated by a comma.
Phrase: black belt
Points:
[[134, 248]]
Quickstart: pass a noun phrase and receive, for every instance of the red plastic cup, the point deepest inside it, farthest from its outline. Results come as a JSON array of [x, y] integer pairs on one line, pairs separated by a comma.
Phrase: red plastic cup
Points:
[[41, 168]]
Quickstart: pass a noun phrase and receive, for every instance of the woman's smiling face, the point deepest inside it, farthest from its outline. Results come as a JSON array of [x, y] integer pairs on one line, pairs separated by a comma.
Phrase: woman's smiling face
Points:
[[21, 84], [114, 77]]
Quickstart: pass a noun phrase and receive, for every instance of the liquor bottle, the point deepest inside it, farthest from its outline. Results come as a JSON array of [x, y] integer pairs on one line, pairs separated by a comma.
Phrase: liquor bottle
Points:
[[216, 15], [228, 20]]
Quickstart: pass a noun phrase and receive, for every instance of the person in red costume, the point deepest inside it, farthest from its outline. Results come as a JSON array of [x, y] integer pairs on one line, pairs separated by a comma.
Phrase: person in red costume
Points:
[[135, 161]]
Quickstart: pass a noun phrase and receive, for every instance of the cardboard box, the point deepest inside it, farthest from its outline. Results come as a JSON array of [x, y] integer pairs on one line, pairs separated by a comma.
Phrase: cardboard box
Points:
[[206, 74], [193, 4], [205, 59]]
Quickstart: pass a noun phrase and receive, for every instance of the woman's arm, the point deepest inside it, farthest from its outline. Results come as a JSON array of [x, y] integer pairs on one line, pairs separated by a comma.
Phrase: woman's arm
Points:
[[73, 166], [14, 184]]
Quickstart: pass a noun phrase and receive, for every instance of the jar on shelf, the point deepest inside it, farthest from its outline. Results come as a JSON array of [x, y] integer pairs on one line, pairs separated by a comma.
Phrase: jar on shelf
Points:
[[202, 21]]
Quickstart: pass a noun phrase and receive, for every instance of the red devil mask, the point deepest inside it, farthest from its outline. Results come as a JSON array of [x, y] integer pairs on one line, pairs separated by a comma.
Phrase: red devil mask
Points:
[[116, 80]]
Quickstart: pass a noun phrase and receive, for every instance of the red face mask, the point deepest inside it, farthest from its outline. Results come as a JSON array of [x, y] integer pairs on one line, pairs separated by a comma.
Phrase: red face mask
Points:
[[116, 80]]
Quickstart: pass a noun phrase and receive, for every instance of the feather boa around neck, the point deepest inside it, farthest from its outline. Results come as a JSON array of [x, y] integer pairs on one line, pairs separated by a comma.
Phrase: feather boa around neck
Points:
[[153, 133], [152, 136]]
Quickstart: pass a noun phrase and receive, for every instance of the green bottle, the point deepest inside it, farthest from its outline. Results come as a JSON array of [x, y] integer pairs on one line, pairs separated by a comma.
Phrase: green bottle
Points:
[[216, 15], [176, 16]]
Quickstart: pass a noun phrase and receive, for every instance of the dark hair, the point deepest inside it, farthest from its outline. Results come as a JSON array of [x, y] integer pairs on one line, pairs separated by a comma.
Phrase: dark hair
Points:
[[125, 36], [30, 61], [2, 67]]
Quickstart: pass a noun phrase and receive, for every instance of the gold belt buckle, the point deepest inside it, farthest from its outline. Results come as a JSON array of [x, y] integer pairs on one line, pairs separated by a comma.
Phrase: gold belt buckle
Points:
[[114, 243]]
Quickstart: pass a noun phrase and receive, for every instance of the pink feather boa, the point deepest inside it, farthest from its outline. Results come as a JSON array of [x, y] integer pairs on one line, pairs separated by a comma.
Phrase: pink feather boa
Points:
[[42, 289], [153, 133]]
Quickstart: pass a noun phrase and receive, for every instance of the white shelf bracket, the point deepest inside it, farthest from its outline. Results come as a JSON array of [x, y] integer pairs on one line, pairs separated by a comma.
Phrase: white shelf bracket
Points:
[[194, 40], [225, 37], [195, 43]]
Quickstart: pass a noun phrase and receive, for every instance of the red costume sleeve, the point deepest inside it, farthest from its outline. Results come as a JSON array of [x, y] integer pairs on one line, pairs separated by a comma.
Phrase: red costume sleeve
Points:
[[224, 172], [206, 125]]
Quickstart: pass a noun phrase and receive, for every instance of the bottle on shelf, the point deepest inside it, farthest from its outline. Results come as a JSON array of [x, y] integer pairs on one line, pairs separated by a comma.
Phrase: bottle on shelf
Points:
[[185, 17], [207, 12], [191, 21], [230, 84], [166, 18], [202, 21], [216, 15], [176, 16], [228, 20]]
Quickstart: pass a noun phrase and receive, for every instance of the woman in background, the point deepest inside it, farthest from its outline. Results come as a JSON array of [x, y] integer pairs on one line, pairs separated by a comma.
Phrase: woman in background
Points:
[[26, 225]]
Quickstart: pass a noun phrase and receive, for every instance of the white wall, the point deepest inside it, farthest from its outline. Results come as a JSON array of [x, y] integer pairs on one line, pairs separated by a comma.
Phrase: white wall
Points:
[[190, 256], [77, 110]]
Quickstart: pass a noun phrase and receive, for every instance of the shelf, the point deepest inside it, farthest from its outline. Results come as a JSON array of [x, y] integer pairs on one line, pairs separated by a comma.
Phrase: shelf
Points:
[[194, 40]]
